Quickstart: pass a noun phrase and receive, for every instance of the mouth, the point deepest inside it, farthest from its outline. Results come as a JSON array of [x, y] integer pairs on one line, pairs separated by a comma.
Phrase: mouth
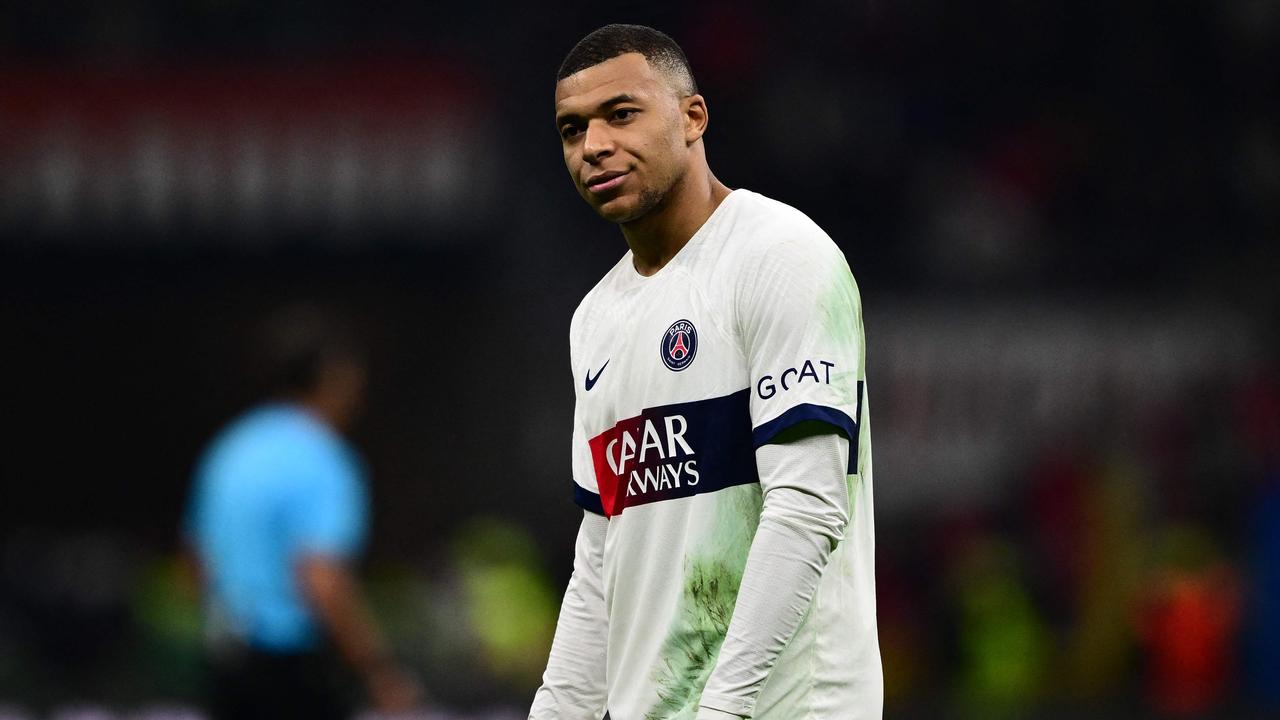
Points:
[[606, 181]]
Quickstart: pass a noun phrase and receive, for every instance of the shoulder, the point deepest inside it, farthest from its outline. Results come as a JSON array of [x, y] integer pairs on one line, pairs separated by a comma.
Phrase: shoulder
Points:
[[297, 440], [252, 428], [767, 228], [771, 236], [586, 315], [323, 450]]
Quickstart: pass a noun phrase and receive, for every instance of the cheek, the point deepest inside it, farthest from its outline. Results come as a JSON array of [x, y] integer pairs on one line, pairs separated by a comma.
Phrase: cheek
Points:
[[662, 157], [572, 162], [652, 152]]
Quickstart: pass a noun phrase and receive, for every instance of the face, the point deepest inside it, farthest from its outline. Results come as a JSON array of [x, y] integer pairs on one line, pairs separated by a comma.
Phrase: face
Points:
[[625, 132]]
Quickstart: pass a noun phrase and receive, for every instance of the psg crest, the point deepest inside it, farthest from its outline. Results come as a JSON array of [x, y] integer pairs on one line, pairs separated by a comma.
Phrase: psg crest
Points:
[[679, 345]]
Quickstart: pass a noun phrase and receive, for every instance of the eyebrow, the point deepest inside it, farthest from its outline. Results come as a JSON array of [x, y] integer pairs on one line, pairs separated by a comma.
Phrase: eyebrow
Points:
[[615, 100]]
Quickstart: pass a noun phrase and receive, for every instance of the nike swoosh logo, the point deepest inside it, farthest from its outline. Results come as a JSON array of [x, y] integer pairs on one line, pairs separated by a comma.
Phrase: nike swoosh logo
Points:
[[591, 381]]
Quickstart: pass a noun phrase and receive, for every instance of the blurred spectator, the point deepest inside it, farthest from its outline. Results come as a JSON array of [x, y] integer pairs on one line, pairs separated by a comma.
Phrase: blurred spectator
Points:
[[1188, 625], [1101, 639], [278, 514], [1004, 644], [498, 564], [1260, 426], [1262, 640]]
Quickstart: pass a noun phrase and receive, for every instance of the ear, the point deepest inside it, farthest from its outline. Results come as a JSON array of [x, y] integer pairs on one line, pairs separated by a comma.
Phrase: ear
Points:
[[694, 110]]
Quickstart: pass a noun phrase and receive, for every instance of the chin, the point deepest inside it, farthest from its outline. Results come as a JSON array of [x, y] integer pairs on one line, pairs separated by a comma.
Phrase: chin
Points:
[[619, 210], [631, 207]]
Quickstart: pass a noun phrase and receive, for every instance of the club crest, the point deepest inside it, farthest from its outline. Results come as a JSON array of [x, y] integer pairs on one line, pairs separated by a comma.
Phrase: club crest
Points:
[[679, 345]]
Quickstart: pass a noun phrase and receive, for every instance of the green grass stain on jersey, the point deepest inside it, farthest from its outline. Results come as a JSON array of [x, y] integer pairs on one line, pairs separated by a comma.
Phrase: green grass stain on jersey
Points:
[[690, 651], [841, 322], [712, 577], [841, 319]]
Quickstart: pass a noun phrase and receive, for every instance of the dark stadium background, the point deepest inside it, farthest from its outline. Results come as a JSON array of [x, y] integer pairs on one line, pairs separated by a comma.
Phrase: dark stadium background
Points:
[[1063, 217]]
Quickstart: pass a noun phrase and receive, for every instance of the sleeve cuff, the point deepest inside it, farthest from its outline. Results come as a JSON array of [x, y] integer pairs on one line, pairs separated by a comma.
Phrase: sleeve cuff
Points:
[[587, 500], [765, 432]]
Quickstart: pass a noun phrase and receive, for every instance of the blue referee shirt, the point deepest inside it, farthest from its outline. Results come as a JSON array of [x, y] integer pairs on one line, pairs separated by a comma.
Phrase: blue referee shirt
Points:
[[275, 485]]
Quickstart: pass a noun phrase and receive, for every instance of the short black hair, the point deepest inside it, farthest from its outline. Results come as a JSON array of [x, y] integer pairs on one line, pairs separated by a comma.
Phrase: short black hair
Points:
[[611, 41], [295, 343]]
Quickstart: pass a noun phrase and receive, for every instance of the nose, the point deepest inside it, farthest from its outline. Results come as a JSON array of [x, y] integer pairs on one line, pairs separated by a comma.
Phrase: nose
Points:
[[597, 144]]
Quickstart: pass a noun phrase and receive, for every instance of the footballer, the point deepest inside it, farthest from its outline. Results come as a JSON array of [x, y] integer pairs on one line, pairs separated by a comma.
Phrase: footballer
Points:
[[724, 567]]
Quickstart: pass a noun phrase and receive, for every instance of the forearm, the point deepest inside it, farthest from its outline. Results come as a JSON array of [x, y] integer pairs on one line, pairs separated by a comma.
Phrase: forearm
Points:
[[805, 512], [573, 686], [335, 597]]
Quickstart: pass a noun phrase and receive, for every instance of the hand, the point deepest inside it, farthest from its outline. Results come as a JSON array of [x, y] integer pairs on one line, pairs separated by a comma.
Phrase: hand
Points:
[[392, 690]]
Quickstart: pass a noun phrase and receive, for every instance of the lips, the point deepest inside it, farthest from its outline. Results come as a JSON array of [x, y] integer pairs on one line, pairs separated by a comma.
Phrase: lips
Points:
[[607, 180]]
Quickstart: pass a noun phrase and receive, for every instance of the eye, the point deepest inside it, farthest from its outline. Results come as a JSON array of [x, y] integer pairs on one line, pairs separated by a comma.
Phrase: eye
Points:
[[568, 132], [624, 114]]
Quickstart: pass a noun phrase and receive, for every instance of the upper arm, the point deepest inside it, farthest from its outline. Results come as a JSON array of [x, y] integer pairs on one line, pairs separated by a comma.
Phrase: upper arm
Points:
[[323, 578], [801, 324], [586, 490], [328, 506]]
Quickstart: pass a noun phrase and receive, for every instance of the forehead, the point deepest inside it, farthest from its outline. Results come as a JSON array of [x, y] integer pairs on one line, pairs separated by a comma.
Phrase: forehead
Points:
[[627, 74]]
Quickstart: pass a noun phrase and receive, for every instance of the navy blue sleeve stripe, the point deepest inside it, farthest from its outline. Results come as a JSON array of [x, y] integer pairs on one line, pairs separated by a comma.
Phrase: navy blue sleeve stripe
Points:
[[802, 413], [587, 500]]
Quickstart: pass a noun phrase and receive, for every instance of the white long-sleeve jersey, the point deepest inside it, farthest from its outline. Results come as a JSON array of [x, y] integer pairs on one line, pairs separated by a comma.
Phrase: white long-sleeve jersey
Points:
[[753, 327]]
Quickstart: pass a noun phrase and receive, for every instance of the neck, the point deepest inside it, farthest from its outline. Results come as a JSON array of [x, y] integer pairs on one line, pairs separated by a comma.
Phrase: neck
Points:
[[324, 409], [657, 237]]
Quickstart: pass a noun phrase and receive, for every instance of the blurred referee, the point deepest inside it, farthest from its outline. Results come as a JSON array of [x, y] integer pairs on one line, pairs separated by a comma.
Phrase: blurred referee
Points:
[[278, 513]]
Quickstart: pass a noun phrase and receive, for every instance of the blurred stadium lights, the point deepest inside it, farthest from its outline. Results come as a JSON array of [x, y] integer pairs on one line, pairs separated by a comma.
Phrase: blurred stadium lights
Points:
[[330, 150], [968, 393]]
